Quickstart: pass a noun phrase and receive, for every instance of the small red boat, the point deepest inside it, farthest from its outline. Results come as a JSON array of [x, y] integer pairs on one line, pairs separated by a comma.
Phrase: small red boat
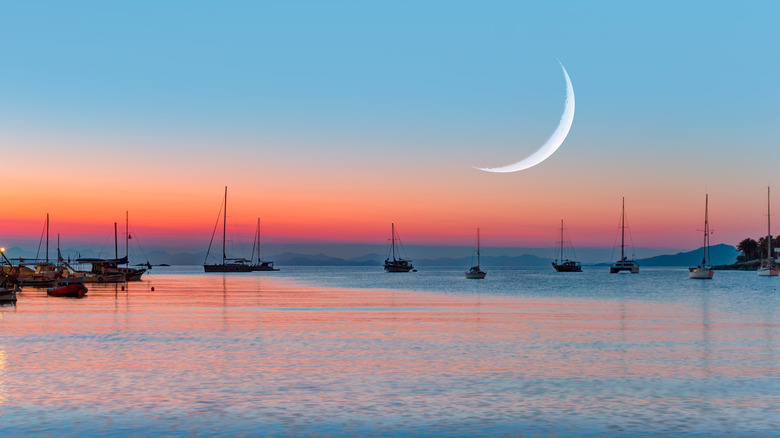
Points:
[[68, 290]]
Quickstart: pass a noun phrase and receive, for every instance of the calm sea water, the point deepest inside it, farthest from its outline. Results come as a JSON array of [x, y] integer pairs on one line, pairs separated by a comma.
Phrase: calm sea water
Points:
[[356, 351]]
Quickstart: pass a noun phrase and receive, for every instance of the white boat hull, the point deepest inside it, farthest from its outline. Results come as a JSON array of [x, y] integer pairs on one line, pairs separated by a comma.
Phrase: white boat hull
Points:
[[701, 273], [766, 271]]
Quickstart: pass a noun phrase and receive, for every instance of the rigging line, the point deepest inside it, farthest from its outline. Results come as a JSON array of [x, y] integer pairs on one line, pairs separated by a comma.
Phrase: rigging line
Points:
[[43, 231], [631, 239], [614, 244], [138, 244], [213, 233]]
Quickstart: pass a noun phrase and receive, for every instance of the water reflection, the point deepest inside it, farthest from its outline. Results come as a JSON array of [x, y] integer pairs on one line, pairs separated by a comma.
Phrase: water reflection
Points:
[[3, 362], [223, 353]]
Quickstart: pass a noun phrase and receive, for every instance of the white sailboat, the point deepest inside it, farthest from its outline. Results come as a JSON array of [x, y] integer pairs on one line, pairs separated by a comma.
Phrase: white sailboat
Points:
[[624, 264], [475, 273], [704, 271], [768, 267]]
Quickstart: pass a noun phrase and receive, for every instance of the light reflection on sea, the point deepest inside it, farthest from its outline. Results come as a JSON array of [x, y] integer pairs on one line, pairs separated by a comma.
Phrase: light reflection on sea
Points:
[[335, 351]]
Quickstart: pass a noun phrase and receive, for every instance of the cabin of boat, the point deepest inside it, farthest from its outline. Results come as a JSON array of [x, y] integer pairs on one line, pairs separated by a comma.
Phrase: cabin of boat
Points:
[[229, 265], [263, 266], [475, 273], [104, 270]]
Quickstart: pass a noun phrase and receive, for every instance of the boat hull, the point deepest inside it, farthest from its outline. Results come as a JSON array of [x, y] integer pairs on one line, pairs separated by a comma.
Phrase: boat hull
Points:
[[567, 267], [227, 268], [768, 271], [701, 273], [398, 266], [107, 278], [476, 275], [132, 274], [68, 290], [8, 295], [624, 267]]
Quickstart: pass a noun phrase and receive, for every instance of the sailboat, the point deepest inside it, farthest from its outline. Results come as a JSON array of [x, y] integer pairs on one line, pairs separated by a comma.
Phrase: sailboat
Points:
[[260, 265], [228, 264], [397, 264], [624, 264], [768, 267], [565, 265], [704, 271], [475, 273], [131, 274]]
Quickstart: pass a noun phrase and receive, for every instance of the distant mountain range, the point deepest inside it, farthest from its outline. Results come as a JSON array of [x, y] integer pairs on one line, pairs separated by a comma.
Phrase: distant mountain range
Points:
[[721, 254]]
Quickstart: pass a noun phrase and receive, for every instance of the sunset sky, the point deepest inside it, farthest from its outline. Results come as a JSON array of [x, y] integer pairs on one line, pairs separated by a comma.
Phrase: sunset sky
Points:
[[329, 120]]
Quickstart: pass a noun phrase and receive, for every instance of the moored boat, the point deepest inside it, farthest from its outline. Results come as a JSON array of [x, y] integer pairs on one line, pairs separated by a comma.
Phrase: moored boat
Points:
[[704, 271], [228, 264], [624, 264], [563, 264], [768, 267], [75, 290], [475, 273], [397, 264], [260, 265], [8, 294]]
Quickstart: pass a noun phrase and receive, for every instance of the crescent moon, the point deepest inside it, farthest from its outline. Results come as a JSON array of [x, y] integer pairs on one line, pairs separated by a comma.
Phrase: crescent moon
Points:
[[553, 143]]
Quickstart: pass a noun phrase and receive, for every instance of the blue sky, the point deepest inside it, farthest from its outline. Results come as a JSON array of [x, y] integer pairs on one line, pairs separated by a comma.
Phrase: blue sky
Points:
[[668, 93]]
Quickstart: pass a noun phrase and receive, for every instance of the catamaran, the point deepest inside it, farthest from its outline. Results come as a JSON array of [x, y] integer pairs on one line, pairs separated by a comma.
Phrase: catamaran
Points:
[[768, 267], [565, 264], [475, 273], [397, 264], [704, 271], [624, 264]]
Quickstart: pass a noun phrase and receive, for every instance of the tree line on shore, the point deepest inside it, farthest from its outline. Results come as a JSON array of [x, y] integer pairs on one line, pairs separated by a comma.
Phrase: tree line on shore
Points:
[[755, 249]]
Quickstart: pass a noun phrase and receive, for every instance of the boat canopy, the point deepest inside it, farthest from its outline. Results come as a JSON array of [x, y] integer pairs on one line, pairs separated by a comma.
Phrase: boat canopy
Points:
[[93, 261]]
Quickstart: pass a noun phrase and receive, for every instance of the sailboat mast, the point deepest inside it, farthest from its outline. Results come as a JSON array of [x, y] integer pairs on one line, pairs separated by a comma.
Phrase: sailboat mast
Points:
[[561, 240], [224, 227], [392, 238], [768, 228], [623, 231], [477, 246], [47, 238], [127, 237], [706, 231], [116, 245], [258, 241]]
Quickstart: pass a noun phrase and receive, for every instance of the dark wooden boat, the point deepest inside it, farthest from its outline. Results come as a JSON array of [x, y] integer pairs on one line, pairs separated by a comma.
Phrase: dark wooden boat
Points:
[[563, 264], [475, 273], [74, 290], [397, 264], [8, 294]]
